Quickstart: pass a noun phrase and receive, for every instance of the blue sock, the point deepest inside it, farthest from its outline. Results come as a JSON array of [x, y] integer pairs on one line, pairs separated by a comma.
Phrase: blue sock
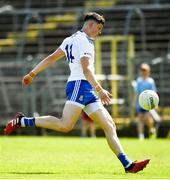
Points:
[[124, 160], [27, 121]]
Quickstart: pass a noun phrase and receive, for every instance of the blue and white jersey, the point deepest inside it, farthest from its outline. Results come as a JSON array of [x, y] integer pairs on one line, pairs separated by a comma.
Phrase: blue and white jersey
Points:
[[78, 90], [75, 47]]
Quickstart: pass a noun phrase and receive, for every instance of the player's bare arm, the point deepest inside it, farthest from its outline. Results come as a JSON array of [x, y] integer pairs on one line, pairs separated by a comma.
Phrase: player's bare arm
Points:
[[58, 54], [90, 76]]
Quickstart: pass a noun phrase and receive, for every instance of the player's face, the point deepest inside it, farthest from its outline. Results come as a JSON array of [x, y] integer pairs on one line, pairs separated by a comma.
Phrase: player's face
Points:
[[145, 73], [96, 29]]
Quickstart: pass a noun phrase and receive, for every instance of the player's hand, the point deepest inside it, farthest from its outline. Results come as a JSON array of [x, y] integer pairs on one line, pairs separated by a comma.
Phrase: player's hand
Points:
[[105, 96], [27, 79]]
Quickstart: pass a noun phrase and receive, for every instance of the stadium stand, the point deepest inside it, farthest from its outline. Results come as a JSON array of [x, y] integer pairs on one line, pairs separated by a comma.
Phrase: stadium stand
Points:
[[30, 30]]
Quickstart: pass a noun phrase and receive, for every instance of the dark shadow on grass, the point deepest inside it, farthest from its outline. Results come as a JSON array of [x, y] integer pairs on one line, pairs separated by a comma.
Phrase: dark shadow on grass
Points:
[[30, 172], [46, 173]]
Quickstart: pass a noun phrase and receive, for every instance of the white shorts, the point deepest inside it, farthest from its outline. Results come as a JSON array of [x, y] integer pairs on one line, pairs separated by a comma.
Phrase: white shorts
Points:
[[90, 108]]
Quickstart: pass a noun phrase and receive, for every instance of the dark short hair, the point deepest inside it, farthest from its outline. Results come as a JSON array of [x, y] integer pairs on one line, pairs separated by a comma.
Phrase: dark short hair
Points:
[[94, 16]]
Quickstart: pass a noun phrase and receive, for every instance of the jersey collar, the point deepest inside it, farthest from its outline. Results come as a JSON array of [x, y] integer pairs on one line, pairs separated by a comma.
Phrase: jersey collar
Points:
[[88, 37]]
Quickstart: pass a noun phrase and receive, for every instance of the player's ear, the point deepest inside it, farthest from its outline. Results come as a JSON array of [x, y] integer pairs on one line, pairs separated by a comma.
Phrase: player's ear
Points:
[[91, 24]]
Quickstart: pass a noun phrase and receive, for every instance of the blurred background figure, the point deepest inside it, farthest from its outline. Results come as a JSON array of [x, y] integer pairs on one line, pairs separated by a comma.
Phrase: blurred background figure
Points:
[[144, 82], [87, 126]]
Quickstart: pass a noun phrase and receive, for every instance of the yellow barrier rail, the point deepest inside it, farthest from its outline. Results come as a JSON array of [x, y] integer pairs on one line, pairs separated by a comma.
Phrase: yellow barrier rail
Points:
[[114, 40]]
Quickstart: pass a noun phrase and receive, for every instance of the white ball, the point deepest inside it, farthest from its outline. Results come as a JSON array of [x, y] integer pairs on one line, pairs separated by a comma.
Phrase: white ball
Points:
[[148, 99]]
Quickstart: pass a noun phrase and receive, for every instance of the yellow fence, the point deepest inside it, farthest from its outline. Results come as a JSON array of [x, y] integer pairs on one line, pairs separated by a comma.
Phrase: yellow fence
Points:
[[114, 40]]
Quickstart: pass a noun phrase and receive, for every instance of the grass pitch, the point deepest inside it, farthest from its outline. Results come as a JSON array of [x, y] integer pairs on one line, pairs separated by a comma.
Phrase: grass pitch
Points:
[[78, 158]]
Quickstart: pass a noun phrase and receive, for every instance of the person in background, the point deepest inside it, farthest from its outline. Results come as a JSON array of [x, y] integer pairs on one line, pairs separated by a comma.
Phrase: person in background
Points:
[[144, 82], [87, 124]]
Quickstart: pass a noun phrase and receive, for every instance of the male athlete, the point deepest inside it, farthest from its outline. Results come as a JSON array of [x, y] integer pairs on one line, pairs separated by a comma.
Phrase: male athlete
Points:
[[80, 91]]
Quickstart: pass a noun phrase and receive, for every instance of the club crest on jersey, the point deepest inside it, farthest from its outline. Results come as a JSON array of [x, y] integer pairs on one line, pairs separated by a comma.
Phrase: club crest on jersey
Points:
[[87, 54], [81, 98]]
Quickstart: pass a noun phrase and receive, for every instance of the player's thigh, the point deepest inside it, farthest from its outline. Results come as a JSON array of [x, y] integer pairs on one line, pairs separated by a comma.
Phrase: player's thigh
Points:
[[103, 118], [71, 113], [148, 117], [141, 117]]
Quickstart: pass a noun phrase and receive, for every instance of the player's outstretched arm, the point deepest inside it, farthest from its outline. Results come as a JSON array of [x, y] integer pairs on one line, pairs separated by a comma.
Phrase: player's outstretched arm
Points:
[[27, 79], [91, 78]]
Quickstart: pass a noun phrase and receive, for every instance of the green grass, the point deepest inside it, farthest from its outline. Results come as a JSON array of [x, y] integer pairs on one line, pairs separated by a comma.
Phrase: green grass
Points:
[[78, 158]]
